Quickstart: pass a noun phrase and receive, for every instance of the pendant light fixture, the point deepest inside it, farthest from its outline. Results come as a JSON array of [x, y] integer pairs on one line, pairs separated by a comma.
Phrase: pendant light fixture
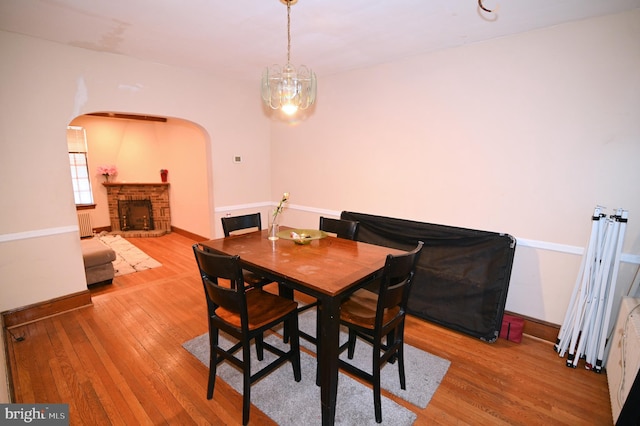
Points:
[[285, 87]]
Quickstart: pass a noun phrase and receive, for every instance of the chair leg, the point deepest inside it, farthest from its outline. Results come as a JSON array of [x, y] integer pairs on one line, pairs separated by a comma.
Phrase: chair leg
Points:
[[400, 353], [390, 342], [259, 347], [213, 362], [377, 399], [352, 344], [246, 383]]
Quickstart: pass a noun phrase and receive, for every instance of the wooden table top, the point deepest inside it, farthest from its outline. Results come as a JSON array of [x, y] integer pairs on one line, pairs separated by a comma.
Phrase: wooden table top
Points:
[[329, 265]]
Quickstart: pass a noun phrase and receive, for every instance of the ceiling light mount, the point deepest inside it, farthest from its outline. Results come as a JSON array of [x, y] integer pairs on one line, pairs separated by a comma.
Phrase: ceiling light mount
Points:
[[288, 88], [480, 5]]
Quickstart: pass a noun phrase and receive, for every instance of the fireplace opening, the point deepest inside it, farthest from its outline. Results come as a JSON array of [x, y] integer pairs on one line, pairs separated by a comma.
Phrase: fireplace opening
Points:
[[135, 215]]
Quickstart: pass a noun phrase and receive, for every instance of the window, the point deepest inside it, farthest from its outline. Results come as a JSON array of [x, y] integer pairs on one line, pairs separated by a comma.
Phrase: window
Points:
[[77, 146]]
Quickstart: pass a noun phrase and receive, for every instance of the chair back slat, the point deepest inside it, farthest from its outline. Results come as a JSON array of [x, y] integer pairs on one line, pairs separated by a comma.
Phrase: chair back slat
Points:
[[394, 293], [228, 298], [347, 229], [396, 281], [235, 223]]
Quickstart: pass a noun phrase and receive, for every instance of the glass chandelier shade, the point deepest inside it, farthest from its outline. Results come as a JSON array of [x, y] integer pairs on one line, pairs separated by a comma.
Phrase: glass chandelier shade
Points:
[[288, 88]]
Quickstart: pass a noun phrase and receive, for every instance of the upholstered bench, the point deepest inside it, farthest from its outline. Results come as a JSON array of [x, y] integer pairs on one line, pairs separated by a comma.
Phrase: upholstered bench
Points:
[[97, 261]]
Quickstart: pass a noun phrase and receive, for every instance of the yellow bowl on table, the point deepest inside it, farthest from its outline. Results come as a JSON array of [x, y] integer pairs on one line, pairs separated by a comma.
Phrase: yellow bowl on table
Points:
[[302, 236]]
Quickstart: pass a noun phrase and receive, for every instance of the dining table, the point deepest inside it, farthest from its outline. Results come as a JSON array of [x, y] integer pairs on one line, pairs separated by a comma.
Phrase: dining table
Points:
[[328, 268]]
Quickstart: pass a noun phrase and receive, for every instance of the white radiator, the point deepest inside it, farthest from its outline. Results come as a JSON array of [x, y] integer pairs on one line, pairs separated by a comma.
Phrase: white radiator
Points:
[[624, 359], [84, 221]]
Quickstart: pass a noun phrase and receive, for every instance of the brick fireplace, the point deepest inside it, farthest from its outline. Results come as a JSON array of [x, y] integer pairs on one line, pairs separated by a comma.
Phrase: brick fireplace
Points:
[[153, 195]]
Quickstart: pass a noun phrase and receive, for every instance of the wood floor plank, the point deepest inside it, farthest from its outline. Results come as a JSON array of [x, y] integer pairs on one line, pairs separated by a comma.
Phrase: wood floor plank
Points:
[[75, 373], [80, 356], [115, 391], [121, 361], [132, 341], [125, 357]]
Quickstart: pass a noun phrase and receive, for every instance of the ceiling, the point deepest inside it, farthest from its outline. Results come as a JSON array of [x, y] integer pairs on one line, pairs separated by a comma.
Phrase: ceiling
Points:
[[238, 38]]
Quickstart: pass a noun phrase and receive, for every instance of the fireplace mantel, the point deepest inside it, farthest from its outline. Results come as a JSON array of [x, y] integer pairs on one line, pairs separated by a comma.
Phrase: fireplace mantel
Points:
[[107, 184]]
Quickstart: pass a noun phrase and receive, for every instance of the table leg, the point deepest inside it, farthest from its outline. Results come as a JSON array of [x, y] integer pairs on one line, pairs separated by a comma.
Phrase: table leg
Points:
[[287, 292], [328, 357]]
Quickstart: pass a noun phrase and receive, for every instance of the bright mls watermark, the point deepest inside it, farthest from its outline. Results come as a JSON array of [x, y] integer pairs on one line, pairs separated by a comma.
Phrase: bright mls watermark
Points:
[[34, 414]]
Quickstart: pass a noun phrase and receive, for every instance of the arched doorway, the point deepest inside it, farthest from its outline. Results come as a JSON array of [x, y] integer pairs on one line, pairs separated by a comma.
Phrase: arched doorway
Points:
[[139, 147]]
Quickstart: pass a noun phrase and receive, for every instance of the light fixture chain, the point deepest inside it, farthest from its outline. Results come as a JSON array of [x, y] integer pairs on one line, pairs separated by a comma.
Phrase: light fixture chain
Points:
[[288, 31]]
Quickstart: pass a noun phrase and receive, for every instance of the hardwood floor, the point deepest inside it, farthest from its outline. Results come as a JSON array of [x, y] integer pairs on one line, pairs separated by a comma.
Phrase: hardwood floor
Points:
[[121, 362]]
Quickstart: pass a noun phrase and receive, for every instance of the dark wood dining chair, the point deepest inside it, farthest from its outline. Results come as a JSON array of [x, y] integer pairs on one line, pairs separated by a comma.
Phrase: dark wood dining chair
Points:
[[245, 223], [342, 228], [244, 314], [378, 317]]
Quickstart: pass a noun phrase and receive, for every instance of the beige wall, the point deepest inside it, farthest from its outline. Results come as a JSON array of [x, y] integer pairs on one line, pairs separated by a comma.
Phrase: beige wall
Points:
[[523, 135]]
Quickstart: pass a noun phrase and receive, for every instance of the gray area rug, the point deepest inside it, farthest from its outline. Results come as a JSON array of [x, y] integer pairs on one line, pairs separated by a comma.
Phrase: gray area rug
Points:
[[129, 258], [424, 372]]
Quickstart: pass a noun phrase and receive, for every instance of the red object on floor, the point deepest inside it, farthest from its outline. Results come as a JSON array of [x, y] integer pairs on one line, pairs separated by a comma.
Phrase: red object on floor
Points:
[[512, 328]]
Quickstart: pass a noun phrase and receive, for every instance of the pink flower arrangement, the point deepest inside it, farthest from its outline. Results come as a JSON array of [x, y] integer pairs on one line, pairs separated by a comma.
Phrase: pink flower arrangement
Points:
[[107, 171]]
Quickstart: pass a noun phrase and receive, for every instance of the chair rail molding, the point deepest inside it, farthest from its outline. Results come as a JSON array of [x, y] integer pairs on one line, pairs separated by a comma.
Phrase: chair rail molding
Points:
[[568, 249], [522, 242], [225, 209], [37, 233]]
